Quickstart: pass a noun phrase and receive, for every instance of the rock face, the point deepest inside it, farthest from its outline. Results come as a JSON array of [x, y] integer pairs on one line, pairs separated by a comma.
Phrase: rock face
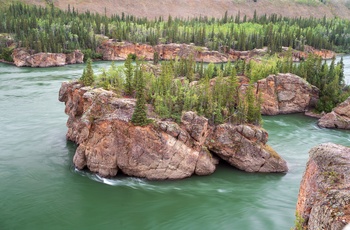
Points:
[[338, 118], [286, 93], [22, 57], [323, 53], [245, 148], [99, 123], [75, 57], [324, 195], [112, 50]]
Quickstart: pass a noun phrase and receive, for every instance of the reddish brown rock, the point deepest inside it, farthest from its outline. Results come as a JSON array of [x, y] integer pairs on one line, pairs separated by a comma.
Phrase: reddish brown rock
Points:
[[244, 147], [323, 53], [99, 123], [324, 195], [75, 57], [286, 93], [112, 50], [338, 118], [22, 57]]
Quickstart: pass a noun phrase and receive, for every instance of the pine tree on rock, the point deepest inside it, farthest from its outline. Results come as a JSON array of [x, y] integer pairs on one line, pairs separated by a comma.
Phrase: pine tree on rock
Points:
[[139, 117], [88, 74]]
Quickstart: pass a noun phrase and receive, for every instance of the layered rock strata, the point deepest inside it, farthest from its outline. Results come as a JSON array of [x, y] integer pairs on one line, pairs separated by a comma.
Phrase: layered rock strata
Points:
[[338, 118], [99, 123], [22, 57], [286, 93], [324, 195]]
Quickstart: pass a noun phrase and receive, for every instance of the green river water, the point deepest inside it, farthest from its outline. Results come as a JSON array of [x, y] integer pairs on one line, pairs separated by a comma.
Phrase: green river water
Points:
[[40, 189]]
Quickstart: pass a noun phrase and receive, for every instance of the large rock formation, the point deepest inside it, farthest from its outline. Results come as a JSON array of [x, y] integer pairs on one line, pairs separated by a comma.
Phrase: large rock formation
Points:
[[338, 118], [23, 57], [99, 123], [117, 51], [286, 93], [323, 53], [113, 51], [245, 148], [324, 196]]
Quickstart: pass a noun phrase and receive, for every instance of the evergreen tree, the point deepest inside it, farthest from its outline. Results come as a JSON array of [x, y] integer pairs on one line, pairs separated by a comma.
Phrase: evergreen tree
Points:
[[129, 75], [88, 74], [139, 117], [155, 58]]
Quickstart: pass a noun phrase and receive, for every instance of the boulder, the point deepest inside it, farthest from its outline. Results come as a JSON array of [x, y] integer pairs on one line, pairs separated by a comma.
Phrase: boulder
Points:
[[286, 93], [99, 122], [75, 57], [244, 147], [339, 117], [324, 195]]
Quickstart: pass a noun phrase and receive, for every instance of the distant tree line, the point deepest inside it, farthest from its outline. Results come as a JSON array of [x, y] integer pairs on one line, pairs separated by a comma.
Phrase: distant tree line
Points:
[[50, 29]]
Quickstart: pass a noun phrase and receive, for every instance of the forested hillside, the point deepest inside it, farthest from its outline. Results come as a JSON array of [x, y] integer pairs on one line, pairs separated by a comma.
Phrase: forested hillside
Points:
[[196, 8], [49, 29]]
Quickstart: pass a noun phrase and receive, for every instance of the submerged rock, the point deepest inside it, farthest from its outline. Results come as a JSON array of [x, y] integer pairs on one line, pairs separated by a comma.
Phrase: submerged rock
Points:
[[99, 123], [338, 118], [286, 93], [324, 195]]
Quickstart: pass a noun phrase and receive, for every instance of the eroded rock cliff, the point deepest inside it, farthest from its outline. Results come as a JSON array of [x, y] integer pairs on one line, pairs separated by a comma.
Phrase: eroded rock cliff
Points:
[[338, 118], [286, 93], [113, 50], [324, 195], [99, 123], [23, 57]]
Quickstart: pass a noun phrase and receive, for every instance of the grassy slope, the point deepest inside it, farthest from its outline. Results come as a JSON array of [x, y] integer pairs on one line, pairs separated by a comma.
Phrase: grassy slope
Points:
[[216, 8]]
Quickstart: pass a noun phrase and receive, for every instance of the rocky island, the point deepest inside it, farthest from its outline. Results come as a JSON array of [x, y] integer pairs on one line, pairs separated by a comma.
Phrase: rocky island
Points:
[[99, 122]]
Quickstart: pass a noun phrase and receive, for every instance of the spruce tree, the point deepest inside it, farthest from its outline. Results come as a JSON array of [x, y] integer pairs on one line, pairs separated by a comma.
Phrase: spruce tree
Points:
[[88, 74], [139, 117], [129, 75]]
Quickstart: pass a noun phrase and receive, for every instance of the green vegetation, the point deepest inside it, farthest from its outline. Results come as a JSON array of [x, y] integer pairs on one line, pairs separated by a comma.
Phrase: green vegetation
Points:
[[52, 30], [88, 74], [129, 75], [215, 91], [211, 91], [139, 116], [328, 78], [299, 222]]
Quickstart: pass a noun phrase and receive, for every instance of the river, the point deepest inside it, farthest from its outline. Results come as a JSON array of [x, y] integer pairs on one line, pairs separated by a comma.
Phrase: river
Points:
[[40, 189]]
